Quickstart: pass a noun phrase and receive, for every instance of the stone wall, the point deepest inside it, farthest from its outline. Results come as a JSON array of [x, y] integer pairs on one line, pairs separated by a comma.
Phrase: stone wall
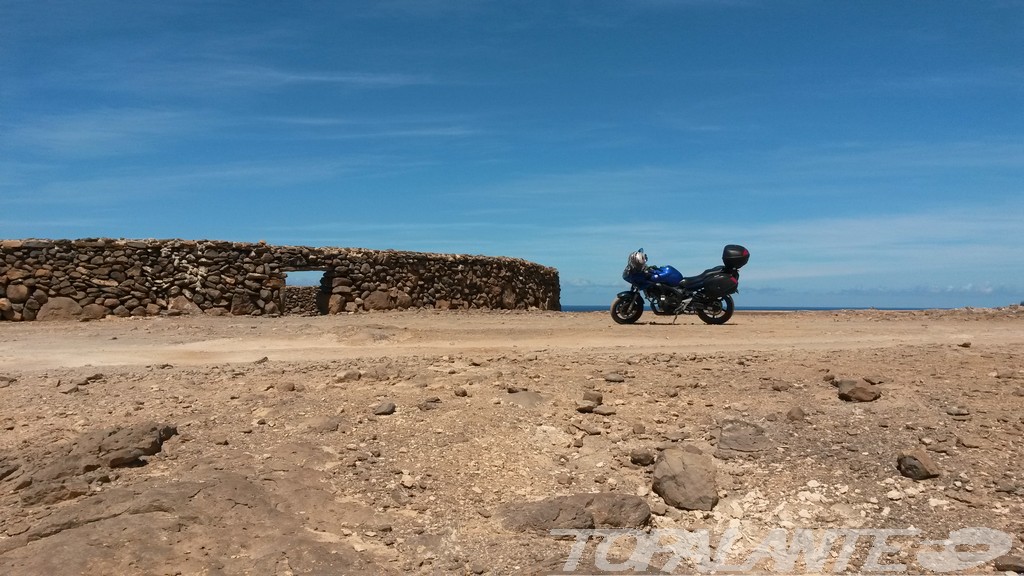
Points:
[[92, 278], [302, 301]]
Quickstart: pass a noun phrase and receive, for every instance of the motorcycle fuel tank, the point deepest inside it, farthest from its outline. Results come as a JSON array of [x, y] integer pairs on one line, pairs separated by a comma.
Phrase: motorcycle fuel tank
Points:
[[666, 275]]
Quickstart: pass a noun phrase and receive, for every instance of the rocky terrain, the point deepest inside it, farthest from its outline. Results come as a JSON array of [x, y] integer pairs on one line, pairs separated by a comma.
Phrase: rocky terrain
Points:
[[452, 442]]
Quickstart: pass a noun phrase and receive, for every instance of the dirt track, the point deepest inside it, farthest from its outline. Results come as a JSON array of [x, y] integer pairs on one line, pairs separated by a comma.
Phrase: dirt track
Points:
[[279, 464]]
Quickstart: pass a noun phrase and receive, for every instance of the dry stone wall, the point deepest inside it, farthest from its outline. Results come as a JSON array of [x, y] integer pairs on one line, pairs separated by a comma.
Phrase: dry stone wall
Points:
[[91, 278]]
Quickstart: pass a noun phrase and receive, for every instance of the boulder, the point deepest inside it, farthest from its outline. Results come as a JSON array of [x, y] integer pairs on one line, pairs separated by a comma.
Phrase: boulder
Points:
[[378, 300], [686, 480], [94, 311], [851, 391], [18, 293], [917, 465], [184, 305], [59, 308], [597, 510]]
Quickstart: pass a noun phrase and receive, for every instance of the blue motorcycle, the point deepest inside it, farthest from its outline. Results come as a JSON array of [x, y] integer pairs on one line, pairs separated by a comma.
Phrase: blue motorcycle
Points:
[[708, 295]]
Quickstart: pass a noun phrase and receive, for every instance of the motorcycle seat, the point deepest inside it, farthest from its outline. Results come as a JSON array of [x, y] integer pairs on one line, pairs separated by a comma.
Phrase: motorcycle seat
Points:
[[696, 281]]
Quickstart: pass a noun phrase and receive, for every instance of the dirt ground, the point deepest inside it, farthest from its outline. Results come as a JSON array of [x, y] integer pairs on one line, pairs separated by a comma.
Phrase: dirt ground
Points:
[[237, 445]]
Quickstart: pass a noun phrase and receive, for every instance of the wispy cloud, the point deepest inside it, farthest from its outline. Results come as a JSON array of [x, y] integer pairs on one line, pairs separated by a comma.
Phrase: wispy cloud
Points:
[[267, 77], [374, 128], [101, 132], [190, 180]]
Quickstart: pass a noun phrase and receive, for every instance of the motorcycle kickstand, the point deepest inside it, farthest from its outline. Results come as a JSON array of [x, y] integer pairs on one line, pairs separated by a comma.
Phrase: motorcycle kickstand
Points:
[[675, 318]]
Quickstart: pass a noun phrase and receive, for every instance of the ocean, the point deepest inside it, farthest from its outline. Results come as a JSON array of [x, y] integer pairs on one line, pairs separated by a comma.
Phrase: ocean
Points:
[[596, 308]]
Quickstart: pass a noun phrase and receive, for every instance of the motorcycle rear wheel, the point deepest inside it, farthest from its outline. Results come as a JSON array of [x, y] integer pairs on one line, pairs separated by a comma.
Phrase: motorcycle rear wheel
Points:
[[627, 309], [719, 313]]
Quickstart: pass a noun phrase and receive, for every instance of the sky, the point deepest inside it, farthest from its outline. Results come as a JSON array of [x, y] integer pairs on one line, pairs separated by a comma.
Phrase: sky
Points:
[[867, 153]]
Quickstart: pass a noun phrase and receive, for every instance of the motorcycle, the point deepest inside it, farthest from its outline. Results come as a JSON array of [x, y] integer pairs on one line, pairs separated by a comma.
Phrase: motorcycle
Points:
[[708, 294]]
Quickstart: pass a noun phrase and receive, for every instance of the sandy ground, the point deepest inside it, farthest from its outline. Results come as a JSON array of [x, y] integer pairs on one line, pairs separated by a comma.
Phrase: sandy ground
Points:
[[276, 462]]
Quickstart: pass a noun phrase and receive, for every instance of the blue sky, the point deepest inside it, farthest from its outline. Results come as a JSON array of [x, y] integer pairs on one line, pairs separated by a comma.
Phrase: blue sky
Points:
[[867, 153]]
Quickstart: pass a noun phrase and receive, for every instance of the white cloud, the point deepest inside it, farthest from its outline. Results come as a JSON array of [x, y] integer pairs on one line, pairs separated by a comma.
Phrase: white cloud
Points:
[[101, 132]]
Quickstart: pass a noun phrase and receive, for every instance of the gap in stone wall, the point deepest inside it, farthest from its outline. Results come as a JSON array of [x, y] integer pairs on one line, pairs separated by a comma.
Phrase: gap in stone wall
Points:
[[303, 293]]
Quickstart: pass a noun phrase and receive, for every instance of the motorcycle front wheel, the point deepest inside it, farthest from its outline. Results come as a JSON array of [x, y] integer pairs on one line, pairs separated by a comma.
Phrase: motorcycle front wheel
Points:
[[627, 309], [718, 312]]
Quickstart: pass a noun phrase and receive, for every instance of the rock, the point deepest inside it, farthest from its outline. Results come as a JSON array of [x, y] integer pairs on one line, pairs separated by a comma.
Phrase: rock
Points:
[[796, 414], [430, 403], [614, 377], [1009, 563], [67, 469], [350, 375], [641, 457], [593, 397], [183, 305], [461, 392], [378, 300], [917, 465], [585, 407], [385, 409], [597, 510], [94, 312], [7, 310], [322, 424], [125, 446], [737, 437], [686, 480], [604, 410], [851, 391], [958, 411], [18, 293], [59, 308], [67, 387], [968, 442], [526, 399]]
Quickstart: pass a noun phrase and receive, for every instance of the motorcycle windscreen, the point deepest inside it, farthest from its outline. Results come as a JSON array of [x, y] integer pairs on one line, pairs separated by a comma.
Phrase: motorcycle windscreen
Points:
[[720, 285], [666, 275]]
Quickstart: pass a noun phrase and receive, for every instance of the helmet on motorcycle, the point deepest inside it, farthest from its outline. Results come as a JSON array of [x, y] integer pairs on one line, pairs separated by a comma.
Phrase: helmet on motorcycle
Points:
[[637, 260]]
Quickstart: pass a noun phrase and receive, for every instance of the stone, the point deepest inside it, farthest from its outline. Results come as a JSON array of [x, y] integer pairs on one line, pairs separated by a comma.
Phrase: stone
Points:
[[385, 409], [851, 391], [336, 303], [738, 437], [241, 305], [917, 465], [641, 457], [796, 414], [581, 511], [350, 375], [593, 397], [604, 410], [614, 377], [18, 293], [686, 480], [59, 308], [184, 305], [94, 312], [378, 300], [1009, 563], [526, 399]]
